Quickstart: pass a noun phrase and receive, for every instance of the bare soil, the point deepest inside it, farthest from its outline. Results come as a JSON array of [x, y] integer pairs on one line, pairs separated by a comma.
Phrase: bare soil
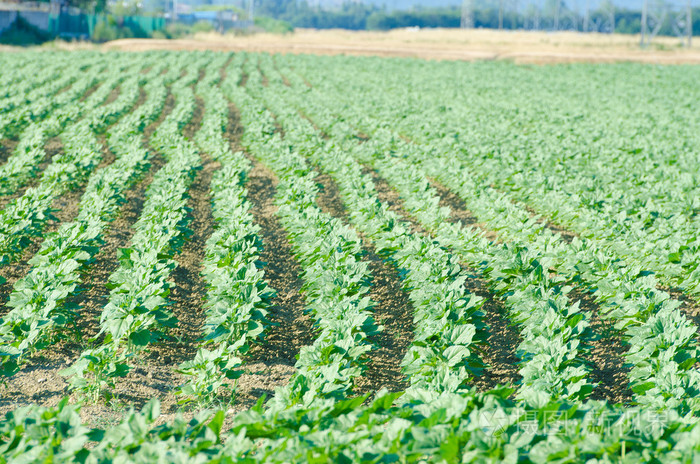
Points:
[[606, 357], [188, 294], [7, 148], [234, 130], [112, 95], [390, 197], [608, 369], [276, 356], [393, 309], [460, 212], [502, 340], [440, 44], [689, 306], [90, 91]]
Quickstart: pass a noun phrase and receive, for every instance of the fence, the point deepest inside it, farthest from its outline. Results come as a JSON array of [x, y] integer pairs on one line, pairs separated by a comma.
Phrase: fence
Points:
[[38, 19], [83, 25], [79, 25]]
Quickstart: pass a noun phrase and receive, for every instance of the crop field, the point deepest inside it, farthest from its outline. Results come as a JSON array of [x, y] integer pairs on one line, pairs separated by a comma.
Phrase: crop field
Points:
[[246, 257]]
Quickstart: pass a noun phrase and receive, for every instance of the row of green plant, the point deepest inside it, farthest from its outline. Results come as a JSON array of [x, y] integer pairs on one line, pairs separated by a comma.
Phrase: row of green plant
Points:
[[633, 191], [137, 311], [41, 309], [440, 418], [551, 327], [662, 344], [13, 87], [26, 217], [335, 275], [238, 295], [25, 160], [17, 89], [448, 326]]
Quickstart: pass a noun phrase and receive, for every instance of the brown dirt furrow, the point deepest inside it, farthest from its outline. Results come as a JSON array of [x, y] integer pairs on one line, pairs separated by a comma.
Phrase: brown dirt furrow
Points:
[[285, 81], [90, 91], [167, 109], [606, 352], [191, 129], [234, 129], [278, 127], [392, 308], [606, 356], [64, 89], [328, 198], [689, 307], [394, 311], [276, 356], [566, 234], [502, 340], [189, 292], [361, 136], [389, 196], [223, 72], [460, 212], [321, 132], [107, 155], [112, 95], [39, 383], [142, 97], [303, 78], [7, 148]]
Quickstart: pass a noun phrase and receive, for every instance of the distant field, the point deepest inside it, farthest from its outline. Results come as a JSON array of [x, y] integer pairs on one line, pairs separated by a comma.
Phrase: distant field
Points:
[[447, 44], [300, 258]]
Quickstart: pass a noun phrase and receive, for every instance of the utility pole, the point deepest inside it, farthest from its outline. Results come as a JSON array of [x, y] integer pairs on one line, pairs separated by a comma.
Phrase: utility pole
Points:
[[612, 18], [644, 23], [586, 15], [500, 15], [467, 19], [251, 11], [689, 24], [556, 15]]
